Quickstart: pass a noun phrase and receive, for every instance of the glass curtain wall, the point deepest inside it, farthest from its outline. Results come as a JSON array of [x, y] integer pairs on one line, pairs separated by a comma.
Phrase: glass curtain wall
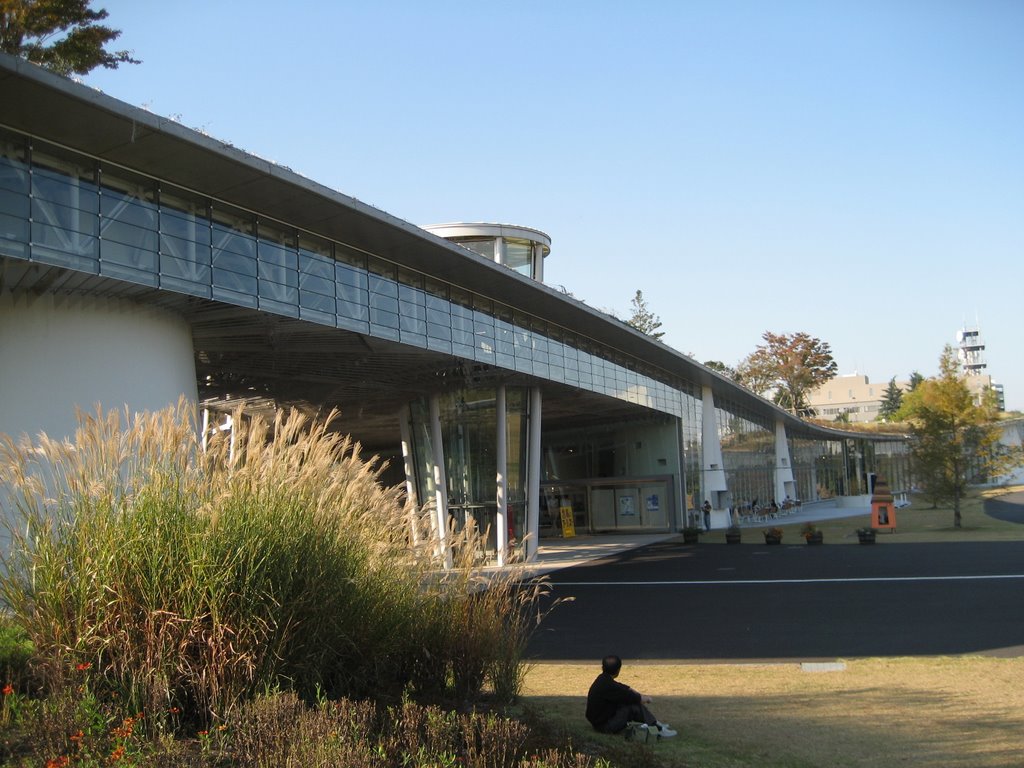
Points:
[[517, 431], [469, 437], [693, 452], [519, 256], [748, 453]]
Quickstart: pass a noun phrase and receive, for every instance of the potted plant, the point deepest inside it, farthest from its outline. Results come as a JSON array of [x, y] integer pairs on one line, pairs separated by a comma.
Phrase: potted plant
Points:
[[691, 534], [811, 534], [732, 534], [866, 535], [773, 535]]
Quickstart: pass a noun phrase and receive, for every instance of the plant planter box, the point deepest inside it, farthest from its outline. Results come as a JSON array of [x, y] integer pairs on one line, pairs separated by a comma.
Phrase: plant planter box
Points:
[[866, 538], [816, 538], [691, 537], [732, 538], [772, 539]]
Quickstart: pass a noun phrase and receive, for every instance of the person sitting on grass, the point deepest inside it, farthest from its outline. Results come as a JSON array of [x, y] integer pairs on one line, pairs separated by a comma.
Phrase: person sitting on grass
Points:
[[611, 704]]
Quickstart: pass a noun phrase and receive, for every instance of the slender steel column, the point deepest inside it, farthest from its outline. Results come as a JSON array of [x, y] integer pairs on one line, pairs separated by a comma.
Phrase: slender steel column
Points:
[[404, 418], [501, 457], [440, 483], [533, 477]]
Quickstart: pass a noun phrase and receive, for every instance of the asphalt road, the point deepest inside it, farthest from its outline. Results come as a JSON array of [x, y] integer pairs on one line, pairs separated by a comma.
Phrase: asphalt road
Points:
[[1009, 507], [752, 602]]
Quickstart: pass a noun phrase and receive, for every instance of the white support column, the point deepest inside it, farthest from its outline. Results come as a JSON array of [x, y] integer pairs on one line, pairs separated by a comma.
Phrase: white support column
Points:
[[499, 250], [404, 417], [501, 459], [784, 485], [440, 483], [206, 429], [533, 477], [538, 262], [712, 467]]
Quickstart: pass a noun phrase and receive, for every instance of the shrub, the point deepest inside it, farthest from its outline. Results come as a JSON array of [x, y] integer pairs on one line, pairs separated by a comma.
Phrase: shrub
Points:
[[191, 578]]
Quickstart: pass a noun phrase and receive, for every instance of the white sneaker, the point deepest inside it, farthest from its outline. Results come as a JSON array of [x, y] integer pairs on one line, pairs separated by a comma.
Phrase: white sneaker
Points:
[[665, 732]]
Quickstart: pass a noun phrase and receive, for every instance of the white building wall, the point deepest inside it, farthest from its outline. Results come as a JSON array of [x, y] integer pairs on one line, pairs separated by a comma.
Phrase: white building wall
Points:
[[59, 353]]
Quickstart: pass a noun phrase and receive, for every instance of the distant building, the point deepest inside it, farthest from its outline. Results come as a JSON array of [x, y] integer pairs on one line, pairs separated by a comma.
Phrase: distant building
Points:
[[853, 395], [970, 351], [860, 400]]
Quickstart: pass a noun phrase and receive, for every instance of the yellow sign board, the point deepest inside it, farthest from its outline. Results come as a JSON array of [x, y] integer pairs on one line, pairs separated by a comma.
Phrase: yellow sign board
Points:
[[568, 522]]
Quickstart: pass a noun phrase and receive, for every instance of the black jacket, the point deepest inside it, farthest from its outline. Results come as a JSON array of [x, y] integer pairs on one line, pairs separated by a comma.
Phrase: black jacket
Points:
[[606, 697]]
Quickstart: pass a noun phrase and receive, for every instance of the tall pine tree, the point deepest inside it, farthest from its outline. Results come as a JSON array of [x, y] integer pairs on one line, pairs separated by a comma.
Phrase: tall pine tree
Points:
[[643, 319], [891, 401]]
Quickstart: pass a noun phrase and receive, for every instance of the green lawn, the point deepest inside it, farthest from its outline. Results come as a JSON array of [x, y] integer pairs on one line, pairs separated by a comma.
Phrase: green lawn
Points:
[[916, 523], [947, 712]]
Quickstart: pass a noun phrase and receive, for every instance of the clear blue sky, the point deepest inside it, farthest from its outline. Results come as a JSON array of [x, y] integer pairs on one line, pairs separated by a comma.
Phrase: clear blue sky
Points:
[[854, 170]]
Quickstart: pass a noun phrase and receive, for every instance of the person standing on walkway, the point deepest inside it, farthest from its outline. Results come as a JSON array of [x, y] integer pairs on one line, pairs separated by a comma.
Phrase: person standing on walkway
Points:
[[706, 509], [611, 704]]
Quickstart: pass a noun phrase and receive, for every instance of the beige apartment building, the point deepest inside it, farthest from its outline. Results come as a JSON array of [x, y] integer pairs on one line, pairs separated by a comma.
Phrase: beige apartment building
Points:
[[853, 394], [860, 398]]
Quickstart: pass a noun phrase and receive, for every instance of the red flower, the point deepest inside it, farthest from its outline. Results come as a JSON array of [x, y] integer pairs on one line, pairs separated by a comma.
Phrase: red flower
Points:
[[8, 689], [83, 666]]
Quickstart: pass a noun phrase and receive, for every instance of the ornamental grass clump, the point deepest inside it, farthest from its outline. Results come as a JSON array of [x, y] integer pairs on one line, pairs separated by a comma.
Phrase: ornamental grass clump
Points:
[[192, 578]]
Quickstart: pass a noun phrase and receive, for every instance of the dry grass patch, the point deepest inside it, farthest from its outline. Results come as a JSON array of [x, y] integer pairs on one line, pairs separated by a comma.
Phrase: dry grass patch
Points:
[[948, 712], [919, 523]]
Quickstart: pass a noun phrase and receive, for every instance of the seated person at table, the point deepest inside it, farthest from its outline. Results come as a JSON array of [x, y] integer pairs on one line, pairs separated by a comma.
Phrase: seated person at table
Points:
[[611, 704]]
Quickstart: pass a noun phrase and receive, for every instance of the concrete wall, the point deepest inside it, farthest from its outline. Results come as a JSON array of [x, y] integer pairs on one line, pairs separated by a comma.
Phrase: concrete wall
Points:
[[57, 353]]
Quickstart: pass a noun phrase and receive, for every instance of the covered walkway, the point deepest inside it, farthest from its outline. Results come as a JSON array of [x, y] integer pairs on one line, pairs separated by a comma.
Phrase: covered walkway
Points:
[[556, 553]]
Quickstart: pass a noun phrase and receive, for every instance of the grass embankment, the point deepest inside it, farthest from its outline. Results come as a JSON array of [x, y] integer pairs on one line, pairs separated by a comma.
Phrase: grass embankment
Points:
[[917, 523], [950, 712], [920, 713]]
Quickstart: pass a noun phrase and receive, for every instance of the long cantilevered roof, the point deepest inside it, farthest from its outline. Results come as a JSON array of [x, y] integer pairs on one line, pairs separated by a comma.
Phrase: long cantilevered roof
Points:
[[40, 103]]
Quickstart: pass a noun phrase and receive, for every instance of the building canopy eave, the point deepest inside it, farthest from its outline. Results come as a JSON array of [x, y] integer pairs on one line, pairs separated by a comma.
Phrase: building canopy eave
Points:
[[40, 103]]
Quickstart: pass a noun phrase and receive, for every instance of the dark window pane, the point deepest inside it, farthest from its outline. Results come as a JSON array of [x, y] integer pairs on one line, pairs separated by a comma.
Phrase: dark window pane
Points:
[[14, 203], [57, 187], [384, 303], [196, 270], [128, 209], [14, 174], [63, 217], [349, 275], [126, 234], [14, 227]]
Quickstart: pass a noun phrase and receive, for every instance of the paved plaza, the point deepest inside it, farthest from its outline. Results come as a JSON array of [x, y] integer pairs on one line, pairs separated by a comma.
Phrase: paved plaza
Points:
[[666, 601]]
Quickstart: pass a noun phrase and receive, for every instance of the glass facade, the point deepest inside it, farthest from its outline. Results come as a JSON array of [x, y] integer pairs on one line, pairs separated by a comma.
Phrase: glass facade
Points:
[[748, 454], [468, 420], [69, 210], [65, 209], [519, 256], [613, 476]]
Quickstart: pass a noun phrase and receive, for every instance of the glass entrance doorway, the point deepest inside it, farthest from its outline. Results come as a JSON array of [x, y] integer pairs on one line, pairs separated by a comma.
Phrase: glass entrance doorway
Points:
[[601, 506]]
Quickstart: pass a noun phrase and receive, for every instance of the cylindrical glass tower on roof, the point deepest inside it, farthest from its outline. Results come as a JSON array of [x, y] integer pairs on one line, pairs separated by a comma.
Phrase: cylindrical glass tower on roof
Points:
[[519, 248]]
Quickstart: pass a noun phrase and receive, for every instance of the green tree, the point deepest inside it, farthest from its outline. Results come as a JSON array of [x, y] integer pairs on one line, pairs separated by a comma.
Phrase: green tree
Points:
[[61, 35], [789, 367], [915, 379], [643, 319], [953, 439], [891, 401]]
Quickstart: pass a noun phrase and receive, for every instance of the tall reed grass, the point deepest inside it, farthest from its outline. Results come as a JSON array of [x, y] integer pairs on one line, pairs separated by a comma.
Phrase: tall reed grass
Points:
[[190, 579]]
